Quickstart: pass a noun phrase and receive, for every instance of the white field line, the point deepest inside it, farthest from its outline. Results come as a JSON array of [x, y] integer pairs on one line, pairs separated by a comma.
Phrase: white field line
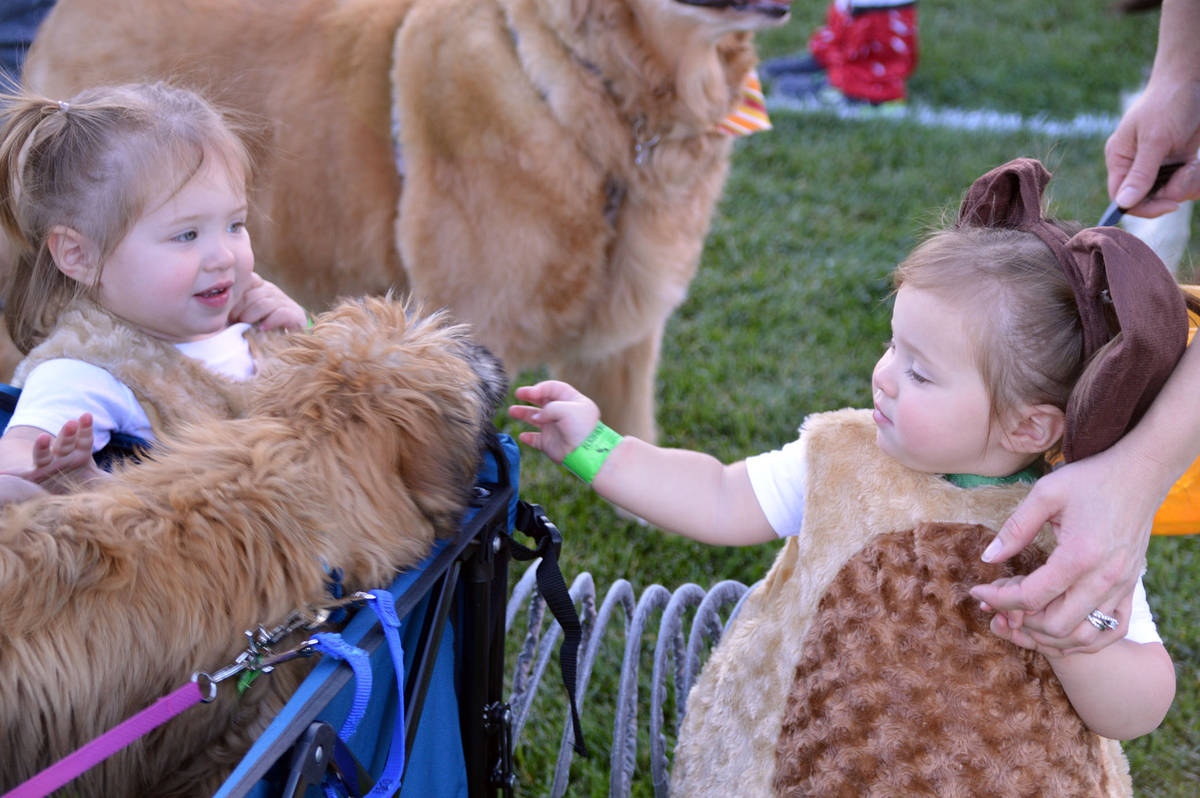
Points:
[[1081, 126]]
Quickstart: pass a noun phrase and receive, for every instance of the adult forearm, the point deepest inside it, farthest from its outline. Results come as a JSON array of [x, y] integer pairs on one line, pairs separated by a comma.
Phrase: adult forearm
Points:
[[1167, 439], [1177, 56]]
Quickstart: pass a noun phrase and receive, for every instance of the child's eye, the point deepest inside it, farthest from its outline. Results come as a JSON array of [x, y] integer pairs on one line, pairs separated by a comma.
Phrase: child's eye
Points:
[[188, 235], [237, 227], [915, 377], [889, 345]]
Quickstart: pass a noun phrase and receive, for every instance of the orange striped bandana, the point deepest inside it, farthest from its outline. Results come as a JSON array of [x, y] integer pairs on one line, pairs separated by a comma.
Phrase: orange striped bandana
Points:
[[750, 115]]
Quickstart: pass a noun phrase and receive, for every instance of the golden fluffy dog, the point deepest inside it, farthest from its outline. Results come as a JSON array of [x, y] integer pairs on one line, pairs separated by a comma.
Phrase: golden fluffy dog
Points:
[[545, 168], [361, 448]]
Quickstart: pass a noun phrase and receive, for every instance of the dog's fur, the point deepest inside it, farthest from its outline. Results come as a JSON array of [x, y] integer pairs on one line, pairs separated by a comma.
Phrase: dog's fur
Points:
[[360, 449], [522, 208]]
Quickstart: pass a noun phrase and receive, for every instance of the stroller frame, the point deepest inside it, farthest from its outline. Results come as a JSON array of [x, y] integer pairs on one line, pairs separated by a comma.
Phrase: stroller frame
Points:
[[471, 569]]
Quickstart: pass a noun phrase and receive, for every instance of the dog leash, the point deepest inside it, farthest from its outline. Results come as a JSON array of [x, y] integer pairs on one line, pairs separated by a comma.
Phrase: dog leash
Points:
[[256, 658], [113, 740]]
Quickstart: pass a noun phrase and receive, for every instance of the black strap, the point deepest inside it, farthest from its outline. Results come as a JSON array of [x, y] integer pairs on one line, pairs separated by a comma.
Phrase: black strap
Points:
[[532, 520]]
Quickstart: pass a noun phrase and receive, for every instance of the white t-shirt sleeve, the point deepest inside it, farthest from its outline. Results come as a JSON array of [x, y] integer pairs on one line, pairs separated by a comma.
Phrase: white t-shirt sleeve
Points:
[[62, 389], [1142, 628], [778, 478]]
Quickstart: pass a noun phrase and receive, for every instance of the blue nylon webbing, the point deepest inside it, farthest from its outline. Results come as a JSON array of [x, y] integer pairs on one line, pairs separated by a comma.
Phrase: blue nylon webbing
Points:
[[333, 645], [389, 780]]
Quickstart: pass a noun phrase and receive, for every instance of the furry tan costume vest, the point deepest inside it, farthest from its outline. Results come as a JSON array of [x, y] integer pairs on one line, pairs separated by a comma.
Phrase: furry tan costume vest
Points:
[[863, 667], [171, 387]]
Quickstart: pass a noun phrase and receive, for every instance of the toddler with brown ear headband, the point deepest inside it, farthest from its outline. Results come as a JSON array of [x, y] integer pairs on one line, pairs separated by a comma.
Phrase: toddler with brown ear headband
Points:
[[1133, 314]]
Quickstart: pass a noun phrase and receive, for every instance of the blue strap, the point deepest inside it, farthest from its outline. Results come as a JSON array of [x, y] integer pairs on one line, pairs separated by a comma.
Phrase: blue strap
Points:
[[388, 782], [384, 606], [357, 659]]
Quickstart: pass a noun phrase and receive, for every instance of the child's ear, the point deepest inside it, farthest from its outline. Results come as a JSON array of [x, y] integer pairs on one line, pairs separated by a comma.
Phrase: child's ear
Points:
[[74, 255], [1035, 428]]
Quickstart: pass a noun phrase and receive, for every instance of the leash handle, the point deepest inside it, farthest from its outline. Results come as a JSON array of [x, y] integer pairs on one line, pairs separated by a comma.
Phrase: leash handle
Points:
[[109, 743], [1114, 212]]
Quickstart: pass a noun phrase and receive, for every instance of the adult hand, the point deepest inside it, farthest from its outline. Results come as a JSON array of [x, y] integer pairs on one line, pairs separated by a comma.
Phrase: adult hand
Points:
[[1162, 126], [1024, 630], [1101, 510]]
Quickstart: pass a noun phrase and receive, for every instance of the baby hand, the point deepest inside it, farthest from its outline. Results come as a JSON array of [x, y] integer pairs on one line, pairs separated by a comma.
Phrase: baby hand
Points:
[[563, 416], [63, 463], [264, 305]]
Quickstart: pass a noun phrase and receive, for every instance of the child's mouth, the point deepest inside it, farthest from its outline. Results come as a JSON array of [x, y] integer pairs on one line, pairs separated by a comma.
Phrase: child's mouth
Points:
[[217, 295], [879, 418]]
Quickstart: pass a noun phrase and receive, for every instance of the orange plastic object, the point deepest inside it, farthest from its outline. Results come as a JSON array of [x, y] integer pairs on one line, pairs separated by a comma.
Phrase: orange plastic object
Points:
[[1180, 511]]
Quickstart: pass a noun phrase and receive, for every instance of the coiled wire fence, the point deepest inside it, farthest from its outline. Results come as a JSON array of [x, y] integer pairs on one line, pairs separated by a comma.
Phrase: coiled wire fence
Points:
[[677, 658]]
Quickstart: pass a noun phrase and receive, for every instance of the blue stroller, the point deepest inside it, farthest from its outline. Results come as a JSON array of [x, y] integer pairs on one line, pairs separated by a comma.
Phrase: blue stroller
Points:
[[413, 706], [443, 727]]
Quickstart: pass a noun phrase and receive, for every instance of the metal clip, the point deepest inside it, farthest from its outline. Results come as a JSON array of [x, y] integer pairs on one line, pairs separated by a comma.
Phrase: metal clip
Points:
[[212, 686], [308, 618], [305, 649], [259, 654], [243, 662]]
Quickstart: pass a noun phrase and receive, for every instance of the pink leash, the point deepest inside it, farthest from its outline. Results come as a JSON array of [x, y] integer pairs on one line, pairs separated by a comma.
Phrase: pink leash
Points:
[[111, 741]]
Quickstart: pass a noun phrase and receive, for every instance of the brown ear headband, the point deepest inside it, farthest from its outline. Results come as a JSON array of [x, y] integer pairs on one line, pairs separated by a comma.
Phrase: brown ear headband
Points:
[[1113, 275]]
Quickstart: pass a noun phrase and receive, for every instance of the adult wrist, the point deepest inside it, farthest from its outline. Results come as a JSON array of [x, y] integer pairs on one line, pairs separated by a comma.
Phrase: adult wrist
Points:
[[585, 460]]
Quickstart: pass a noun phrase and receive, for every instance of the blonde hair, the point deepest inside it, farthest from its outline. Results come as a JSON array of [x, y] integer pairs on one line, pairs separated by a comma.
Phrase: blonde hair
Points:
[[93, 164], [1027, 337]]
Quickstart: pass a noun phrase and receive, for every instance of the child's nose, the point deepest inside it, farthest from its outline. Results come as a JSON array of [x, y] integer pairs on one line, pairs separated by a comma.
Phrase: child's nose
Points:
[[882, 378], [221, 256]]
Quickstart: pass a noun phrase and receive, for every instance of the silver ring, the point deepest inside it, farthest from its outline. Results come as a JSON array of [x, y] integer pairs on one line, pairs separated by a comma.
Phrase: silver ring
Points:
[[1101, 621], [212, 686]]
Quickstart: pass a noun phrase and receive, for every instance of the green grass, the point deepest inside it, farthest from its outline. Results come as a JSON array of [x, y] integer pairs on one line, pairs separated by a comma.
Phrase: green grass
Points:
[[789, 309]]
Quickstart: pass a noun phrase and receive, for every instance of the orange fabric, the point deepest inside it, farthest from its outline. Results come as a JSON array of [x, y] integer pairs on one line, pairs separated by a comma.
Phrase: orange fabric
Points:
[[750, 115], [1180, 511]]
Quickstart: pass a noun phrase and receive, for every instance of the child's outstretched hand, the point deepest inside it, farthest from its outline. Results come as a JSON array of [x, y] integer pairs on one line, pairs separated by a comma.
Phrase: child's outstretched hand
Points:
[[264, 305], [563, 416], [63, 463]]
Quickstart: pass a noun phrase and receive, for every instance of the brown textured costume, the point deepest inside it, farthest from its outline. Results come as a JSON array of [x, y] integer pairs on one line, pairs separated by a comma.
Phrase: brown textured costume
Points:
[[862, 666]]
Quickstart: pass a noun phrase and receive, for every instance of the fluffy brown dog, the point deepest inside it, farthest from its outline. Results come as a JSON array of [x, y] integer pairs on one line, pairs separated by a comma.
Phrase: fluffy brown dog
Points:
[[560, 158], [361, 448]]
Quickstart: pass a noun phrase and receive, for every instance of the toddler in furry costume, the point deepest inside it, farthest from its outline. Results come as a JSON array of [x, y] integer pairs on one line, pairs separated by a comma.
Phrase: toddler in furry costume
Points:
[[862, 666], [133, 294]]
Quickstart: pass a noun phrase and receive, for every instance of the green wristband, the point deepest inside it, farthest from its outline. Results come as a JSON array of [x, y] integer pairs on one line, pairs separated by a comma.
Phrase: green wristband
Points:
[[585, 460]]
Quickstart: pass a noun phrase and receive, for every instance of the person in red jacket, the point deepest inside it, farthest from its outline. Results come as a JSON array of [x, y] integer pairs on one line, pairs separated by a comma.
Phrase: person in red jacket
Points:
[[863, 54]]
